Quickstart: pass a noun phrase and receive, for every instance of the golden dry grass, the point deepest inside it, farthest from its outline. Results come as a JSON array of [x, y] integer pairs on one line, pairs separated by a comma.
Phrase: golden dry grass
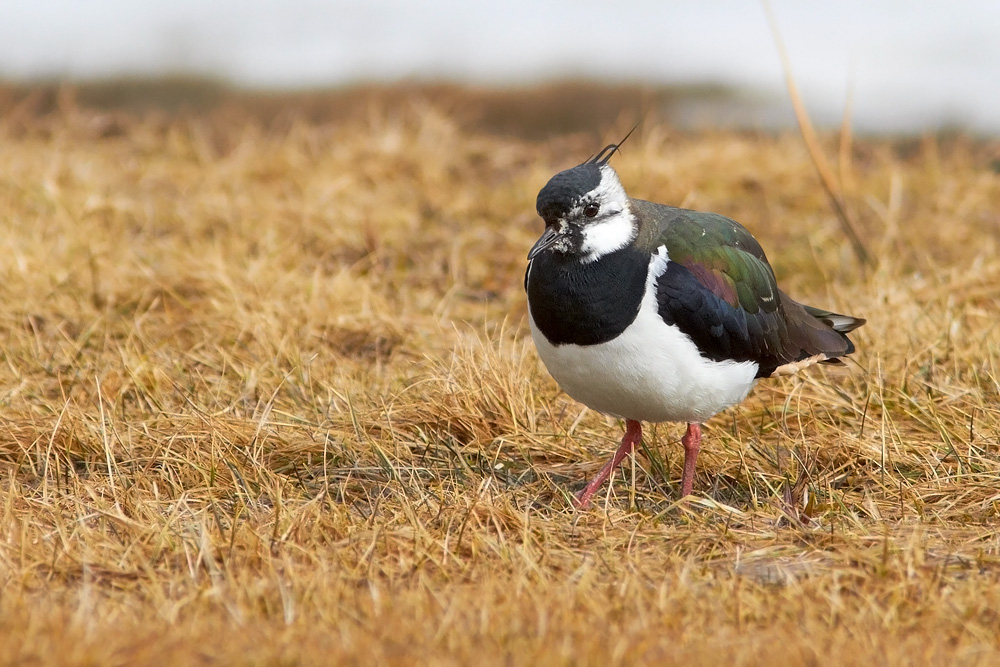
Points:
[[267, 398]]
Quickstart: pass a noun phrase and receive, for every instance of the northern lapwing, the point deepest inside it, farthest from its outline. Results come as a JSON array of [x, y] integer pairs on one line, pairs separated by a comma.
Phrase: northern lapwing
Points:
[[652, 313]]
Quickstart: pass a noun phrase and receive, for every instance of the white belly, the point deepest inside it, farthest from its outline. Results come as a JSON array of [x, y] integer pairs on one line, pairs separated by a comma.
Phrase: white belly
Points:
[[651, 372]]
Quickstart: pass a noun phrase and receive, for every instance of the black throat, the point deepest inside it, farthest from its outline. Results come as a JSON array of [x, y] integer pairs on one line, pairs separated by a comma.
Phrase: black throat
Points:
[[586, 303]]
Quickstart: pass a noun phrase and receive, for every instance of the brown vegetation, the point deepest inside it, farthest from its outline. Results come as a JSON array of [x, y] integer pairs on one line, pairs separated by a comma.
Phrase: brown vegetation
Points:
[[267, 398]]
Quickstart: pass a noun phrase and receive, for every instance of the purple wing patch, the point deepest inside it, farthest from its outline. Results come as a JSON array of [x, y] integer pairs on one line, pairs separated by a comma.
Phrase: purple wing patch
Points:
[[716, 282]]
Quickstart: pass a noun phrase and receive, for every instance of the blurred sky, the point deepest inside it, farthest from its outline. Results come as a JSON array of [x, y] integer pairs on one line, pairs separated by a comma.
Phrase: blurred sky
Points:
[[911, 65]]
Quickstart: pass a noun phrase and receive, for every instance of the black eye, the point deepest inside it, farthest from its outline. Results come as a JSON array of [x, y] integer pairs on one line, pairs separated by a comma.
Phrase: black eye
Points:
[[590, 210]]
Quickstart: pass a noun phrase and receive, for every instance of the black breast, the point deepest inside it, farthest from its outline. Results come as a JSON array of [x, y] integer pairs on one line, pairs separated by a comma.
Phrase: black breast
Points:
[[586, 304]]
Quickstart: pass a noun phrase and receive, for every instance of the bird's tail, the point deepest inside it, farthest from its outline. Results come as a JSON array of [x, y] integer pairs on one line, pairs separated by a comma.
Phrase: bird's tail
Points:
[[840, 323]]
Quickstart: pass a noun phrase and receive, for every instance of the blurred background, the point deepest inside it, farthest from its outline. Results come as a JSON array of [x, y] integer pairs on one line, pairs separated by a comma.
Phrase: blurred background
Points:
[[907, 67]]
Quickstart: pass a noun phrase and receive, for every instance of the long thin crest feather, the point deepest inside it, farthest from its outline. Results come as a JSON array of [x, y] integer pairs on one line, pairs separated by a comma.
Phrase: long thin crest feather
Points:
[[605, 153]]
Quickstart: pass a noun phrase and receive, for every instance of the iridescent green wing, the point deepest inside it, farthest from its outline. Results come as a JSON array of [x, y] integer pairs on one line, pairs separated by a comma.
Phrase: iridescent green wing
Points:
[[719, 289]]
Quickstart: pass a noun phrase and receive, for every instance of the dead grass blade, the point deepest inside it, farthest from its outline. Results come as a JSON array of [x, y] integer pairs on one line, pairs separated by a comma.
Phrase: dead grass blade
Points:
[[826, 177]]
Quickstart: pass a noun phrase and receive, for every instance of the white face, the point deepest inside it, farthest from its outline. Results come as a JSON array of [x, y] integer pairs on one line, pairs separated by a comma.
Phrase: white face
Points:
[[614, 226]]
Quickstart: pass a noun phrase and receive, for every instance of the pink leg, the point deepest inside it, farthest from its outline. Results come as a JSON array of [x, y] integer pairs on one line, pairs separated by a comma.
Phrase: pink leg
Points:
[[692, 443], [633, 433]]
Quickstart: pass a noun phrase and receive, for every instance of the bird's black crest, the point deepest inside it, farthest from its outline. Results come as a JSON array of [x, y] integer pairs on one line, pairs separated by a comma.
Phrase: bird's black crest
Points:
[[568, 186], [565, 188], [605, 153]]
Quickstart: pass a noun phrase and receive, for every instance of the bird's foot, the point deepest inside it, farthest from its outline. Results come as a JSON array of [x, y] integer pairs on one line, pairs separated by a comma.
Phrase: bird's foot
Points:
[[633, 434], [692, 443]]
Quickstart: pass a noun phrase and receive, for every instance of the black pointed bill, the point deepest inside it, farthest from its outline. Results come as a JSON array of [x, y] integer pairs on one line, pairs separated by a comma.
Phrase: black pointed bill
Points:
[[548, 239]]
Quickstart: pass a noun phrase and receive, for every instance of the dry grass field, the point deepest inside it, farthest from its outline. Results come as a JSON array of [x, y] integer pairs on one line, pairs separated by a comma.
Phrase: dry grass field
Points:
[[267, 398]]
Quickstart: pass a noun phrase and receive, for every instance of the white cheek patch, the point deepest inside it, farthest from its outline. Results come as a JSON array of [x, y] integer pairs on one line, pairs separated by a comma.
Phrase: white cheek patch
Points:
[[607, 236]]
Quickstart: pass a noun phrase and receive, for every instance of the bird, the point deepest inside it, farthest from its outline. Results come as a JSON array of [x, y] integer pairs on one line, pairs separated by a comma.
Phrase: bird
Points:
[[652, 313]]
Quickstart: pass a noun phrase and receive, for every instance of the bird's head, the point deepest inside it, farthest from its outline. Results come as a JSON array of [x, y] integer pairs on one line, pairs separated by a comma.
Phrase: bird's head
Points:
[[586, 211]]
